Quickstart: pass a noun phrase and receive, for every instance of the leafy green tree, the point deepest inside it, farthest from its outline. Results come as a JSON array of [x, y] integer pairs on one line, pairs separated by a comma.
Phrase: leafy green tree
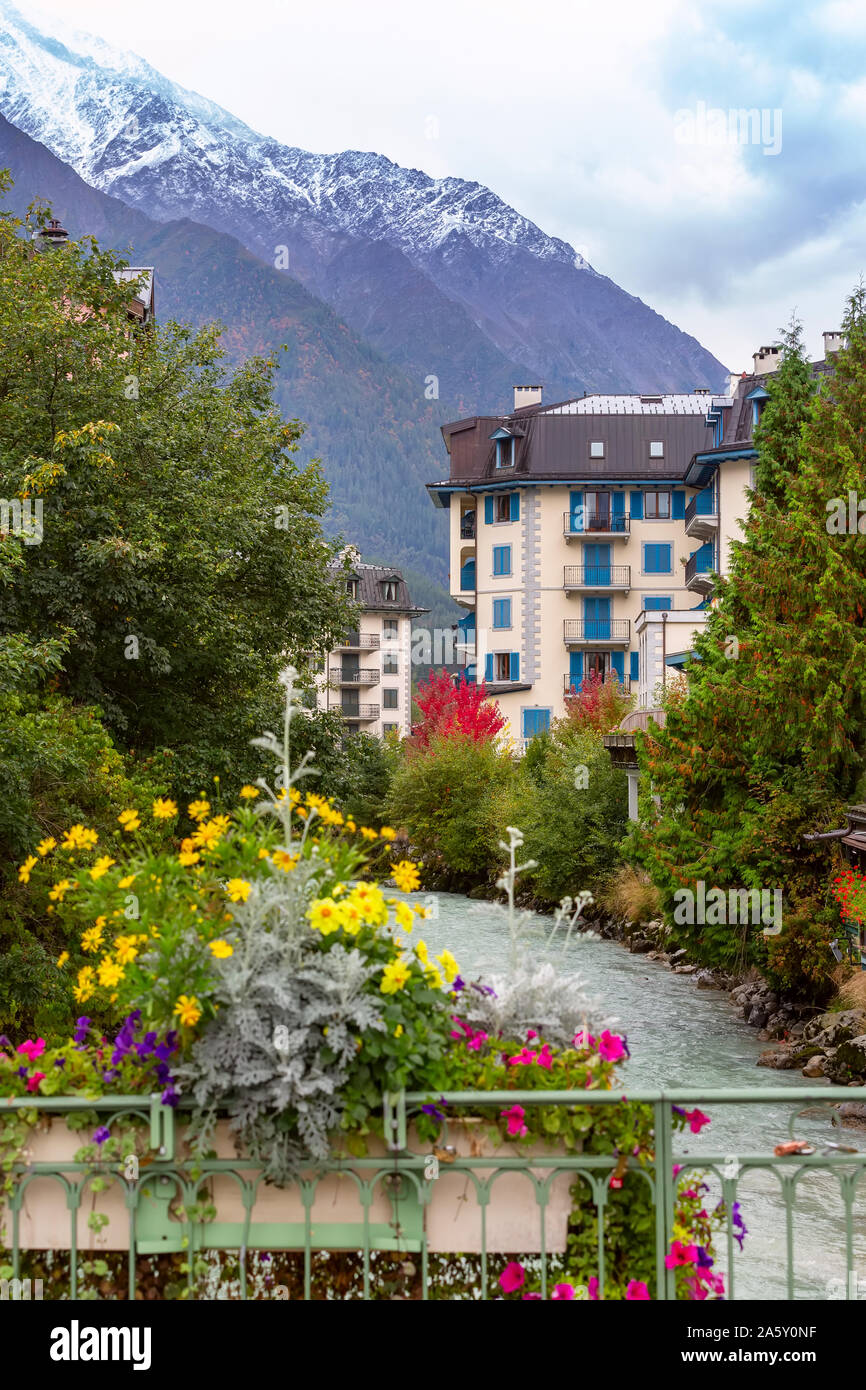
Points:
[[767, 746], [181, 544]]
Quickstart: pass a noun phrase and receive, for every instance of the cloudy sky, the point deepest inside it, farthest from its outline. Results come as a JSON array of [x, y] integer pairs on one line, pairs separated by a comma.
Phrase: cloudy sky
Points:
[[613, 125]]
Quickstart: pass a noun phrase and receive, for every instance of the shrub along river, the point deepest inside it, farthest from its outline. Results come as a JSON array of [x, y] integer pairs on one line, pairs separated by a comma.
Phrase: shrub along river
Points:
[[682, 1036]]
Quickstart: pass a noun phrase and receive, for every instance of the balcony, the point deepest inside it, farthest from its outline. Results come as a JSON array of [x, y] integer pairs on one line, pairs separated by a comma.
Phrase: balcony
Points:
[[342, 675], [361, 714], [359, 642], [596, 578], [596, 632], [599, 525], [568, 685], [467, 527], [699, 570], [702, 516]]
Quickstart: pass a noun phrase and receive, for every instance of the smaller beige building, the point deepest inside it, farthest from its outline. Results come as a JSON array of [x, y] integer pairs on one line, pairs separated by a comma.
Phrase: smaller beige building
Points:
[[368, 678]]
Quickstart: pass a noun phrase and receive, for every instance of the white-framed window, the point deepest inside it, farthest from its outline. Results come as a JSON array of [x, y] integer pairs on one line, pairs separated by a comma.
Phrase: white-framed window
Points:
[[352, 587], [505, 453], [502, 666], [596, 448], [390, 664], [502, 507], [389, 698], [391, 629], [657, 506], [657, 449], [389, 590], [390, 728]]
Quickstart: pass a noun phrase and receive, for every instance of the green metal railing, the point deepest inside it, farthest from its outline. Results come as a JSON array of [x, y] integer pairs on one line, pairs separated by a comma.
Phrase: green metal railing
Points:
[[169, 1182]]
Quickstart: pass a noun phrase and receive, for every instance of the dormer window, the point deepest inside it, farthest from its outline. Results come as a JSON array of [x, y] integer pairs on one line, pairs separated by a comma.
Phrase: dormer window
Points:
[[389, 590], [596, 448], [503, 440], [657, 449], [352, 586]]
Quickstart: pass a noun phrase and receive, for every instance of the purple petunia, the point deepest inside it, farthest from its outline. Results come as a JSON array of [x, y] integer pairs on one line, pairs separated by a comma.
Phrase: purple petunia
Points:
[[60, 1061], [169, 1096], [101, 1134], [82, 1028], [433, 1109]]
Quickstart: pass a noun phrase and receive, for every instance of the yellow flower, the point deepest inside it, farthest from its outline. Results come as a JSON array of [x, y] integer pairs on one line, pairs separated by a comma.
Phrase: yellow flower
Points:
[[284, 861], [249, 793], [101, 867], [24, 870], [450, 968], [164, 808], [62, 959], [221, 949], [433, 977], [85, 986], [238, 889], [263, 854], [188, 1010], [368, 898], [46, 846], [368, 834], [125, 949], [91, 940], [394, 976], [387, 833], [187, 857], [404, 916], [127, 882], [351, 826], [199, 809], [326, 916], [212, 832], [406, 876], [421, 951], [351, 919], [79, 838], [313, 799], [59, 891], [398, 1031], [129, 820], [109, 972]]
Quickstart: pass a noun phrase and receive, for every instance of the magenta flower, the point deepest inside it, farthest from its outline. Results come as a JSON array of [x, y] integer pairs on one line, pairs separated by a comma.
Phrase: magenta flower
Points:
[[32, 1050], [476, 1042], [582, 1039], [681, 1255], [512, 1277], [697, 1119], [636, 1290], [563, 1291], [530, 1033], [523, 1058], [593, 1289], [611, 1046], [514, 1116], [531, 1295], [33, 1082], [545, 1057]]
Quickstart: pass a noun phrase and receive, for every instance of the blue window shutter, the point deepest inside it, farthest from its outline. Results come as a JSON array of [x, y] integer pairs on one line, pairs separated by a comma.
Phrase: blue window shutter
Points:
[[488, 509], [497, 611], [506, 612], [497, 559], [617, 661], [664, 559], [575, 669], [679, 504], [515, 506], [515, 666], [657, 603], [506, 559], [619, 504], [488, 667], [634, 661], [576, 508], [636, 505], [649, 559]]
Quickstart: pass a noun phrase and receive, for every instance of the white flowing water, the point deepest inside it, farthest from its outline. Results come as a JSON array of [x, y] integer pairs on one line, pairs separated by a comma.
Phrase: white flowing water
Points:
[[682, 1036]]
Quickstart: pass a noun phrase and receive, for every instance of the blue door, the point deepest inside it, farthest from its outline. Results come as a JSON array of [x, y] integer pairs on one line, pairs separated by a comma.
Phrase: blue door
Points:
[[575, 669], [596, 562], [596, 615]]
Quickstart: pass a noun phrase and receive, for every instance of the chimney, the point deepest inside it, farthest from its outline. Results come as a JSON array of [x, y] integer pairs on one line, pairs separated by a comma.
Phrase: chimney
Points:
[[734, 379], [45, 238], [701, 391], [832, 342], [527, 395], [767, 359]]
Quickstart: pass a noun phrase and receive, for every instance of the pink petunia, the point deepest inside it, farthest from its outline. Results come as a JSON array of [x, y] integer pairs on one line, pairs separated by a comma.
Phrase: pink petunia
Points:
[[611, 1046], [545, 1057], [33, 1081], [636, 1290], [696, 1289], [512, 1277], [697, 1119], [476, 1042], [514, 1116], [681, 1255], [531, 1295], [523, 1058], [563, 1291], [530, 1033], [593, 1289], [32, 1050], [578, 1040]]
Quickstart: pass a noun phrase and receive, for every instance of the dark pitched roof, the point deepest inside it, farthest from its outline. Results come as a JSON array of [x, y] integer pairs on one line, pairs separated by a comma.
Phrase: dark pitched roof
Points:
[[370, 594]]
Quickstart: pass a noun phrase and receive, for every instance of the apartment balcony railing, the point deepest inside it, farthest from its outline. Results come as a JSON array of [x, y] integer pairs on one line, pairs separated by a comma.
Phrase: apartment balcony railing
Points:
[[341, 675], [360, 713], [596, 577], [702, 517], [612, 632], [582, 523], [699, 569], [467, 530], [569, 684], [359, 642]]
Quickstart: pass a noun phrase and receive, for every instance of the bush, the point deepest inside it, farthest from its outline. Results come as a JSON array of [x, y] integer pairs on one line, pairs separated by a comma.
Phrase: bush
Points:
[[632, 896]]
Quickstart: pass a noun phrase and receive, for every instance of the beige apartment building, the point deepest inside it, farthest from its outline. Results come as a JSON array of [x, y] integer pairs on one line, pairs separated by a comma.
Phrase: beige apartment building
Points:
[[584, 535], [368, 678]]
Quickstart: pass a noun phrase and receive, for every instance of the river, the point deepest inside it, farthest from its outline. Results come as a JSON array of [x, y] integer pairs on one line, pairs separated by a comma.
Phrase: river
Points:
[[683, 1036]]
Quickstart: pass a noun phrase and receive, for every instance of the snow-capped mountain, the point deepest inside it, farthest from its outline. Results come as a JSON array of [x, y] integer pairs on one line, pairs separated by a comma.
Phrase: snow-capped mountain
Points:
[[440, 275]]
